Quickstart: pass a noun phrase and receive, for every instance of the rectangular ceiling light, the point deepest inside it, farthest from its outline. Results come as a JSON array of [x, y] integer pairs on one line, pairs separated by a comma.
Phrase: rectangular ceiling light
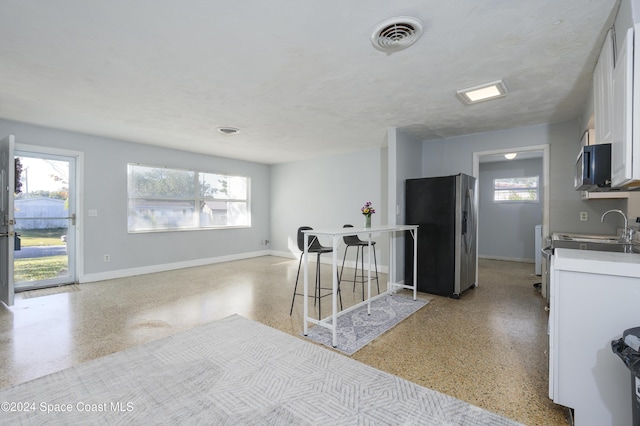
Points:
[[483, 92]]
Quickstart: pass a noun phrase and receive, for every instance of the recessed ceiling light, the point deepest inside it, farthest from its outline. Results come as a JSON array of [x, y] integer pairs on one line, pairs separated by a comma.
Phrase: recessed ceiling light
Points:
[[511, 155], [228, 130], [483, 92]]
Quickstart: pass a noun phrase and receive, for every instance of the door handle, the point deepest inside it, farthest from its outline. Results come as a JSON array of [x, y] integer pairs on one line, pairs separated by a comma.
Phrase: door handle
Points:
[[73, 218]]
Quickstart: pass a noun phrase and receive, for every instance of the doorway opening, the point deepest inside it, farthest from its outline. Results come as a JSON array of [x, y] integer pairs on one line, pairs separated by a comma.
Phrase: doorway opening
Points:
[[542, 150], [45, 220], [526, 152]]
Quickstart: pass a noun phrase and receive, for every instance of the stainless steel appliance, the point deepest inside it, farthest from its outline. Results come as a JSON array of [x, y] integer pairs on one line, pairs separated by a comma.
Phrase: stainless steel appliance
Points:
[[445, 209], [593, 168]]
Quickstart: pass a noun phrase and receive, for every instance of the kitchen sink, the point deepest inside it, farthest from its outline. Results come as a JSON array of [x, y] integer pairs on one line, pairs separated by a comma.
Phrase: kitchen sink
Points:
[[588, 238], [611, 243], [597, 246]]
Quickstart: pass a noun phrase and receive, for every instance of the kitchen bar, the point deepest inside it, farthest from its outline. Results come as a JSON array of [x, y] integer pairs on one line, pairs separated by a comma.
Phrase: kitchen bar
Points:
[[394, 231]]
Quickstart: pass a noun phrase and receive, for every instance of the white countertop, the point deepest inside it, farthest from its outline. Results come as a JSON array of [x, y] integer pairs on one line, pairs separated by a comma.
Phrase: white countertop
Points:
[[598, 262], [352, 231]]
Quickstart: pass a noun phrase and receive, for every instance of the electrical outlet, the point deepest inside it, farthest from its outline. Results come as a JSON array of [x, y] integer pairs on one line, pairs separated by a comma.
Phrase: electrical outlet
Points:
[[107, 258], [584, 216]]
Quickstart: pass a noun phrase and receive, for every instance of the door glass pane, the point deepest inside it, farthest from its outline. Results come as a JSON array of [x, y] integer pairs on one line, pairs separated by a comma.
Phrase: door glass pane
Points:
[[42, 222], [43, 251]]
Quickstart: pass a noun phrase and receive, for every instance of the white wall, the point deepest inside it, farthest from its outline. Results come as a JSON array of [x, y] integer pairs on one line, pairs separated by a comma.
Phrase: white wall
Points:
[[326, 193], [506, 230], [105, 189], [406, 164], [405, 155]]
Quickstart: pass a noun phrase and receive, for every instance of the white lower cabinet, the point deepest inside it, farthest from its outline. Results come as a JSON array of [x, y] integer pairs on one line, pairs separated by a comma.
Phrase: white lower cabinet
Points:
[[595, 296]]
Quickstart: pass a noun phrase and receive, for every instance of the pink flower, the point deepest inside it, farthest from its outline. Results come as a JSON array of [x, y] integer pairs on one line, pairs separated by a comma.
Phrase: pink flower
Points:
[[367, 210]]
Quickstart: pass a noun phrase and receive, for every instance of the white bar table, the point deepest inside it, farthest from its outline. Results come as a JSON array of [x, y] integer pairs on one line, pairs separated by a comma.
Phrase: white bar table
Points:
[[331, 321]]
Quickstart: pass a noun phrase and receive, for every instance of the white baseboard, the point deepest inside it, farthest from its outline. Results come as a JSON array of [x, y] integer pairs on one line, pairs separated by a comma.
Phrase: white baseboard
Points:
[[123, 273], [286, 254], [512, 259]]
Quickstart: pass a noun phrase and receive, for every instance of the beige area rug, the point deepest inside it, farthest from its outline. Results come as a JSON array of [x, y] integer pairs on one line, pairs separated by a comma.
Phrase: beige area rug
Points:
[[360, 327], [232, 372]]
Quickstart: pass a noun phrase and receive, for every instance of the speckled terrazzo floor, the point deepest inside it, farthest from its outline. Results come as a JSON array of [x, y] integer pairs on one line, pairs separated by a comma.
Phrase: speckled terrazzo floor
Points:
[[488, 348]]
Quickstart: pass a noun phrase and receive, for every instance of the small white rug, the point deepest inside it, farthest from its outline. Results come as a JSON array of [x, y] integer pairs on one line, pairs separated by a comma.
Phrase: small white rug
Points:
[[357, 328]]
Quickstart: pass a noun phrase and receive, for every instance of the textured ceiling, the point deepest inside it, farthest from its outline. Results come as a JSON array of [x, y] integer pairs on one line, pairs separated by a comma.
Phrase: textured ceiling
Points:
[[299, 78]]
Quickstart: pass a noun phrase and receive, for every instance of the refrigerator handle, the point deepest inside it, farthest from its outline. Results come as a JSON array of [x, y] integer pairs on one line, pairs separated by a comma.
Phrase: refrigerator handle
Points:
[[463, 231], [468, 216]]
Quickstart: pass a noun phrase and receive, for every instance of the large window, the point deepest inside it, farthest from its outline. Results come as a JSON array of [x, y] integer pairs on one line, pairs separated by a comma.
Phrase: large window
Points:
[[519, 189], [163, 199]]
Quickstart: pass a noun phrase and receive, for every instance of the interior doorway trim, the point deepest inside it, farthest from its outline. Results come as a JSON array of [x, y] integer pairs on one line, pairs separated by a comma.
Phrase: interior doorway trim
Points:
[[79, 178], [545, 174], [545, 184]]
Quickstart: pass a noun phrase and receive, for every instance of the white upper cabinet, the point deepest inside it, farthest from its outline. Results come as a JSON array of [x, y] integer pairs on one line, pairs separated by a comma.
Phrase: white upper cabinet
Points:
[[623, 169], [602, 92]]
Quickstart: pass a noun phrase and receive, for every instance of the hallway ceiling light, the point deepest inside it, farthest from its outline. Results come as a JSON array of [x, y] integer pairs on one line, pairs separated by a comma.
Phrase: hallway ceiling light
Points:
[[510, 156], [483, 92]]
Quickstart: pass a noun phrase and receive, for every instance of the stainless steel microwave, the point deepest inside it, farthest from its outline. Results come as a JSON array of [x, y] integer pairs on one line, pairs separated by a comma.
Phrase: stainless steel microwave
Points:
[[593, 168]]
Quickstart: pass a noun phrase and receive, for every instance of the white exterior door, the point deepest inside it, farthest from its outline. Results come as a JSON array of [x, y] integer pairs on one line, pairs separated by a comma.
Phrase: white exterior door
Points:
[[45, 219], [7, 189]]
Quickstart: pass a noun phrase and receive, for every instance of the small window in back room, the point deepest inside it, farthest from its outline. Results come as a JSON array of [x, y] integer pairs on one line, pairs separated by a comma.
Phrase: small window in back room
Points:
[[517, 189]]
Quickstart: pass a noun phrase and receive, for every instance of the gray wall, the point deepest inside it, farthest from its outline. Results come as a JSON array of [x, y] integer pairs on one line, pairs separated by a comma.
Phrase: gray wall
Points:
[[455, 155], [105, 189], [506, 230], [322, 193]]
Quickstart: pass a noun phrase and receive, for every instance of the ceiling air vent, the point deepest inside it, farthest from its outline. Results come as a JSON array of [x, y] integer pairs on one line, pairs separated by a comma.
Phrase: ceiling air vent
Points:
[[228, 130], [396, 34]]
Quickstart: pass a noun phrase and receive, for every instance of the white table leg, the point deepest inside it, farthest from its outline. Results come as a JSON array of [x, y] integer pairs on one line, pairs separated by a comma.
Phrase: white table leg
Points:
[[334, 270], [392, 253], [306, 283], [369, 276], [415, 263]]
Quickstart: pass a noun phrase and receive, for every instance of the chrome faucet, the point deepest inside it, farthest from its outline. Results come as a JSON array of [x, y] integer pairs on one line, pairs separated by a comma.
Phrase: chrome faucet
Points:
[[627, 233]]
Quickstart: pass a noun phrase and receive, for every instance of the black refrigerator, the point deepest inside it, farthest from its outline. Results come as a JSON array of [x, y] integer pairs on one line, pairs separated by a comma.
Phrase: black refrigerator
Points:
[[444, 208]]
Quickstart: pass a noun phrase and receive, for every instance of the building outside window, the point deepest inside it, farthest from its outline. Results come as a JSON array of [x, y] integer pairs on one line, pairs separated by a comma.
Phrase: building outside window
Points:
[[164, 199]]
